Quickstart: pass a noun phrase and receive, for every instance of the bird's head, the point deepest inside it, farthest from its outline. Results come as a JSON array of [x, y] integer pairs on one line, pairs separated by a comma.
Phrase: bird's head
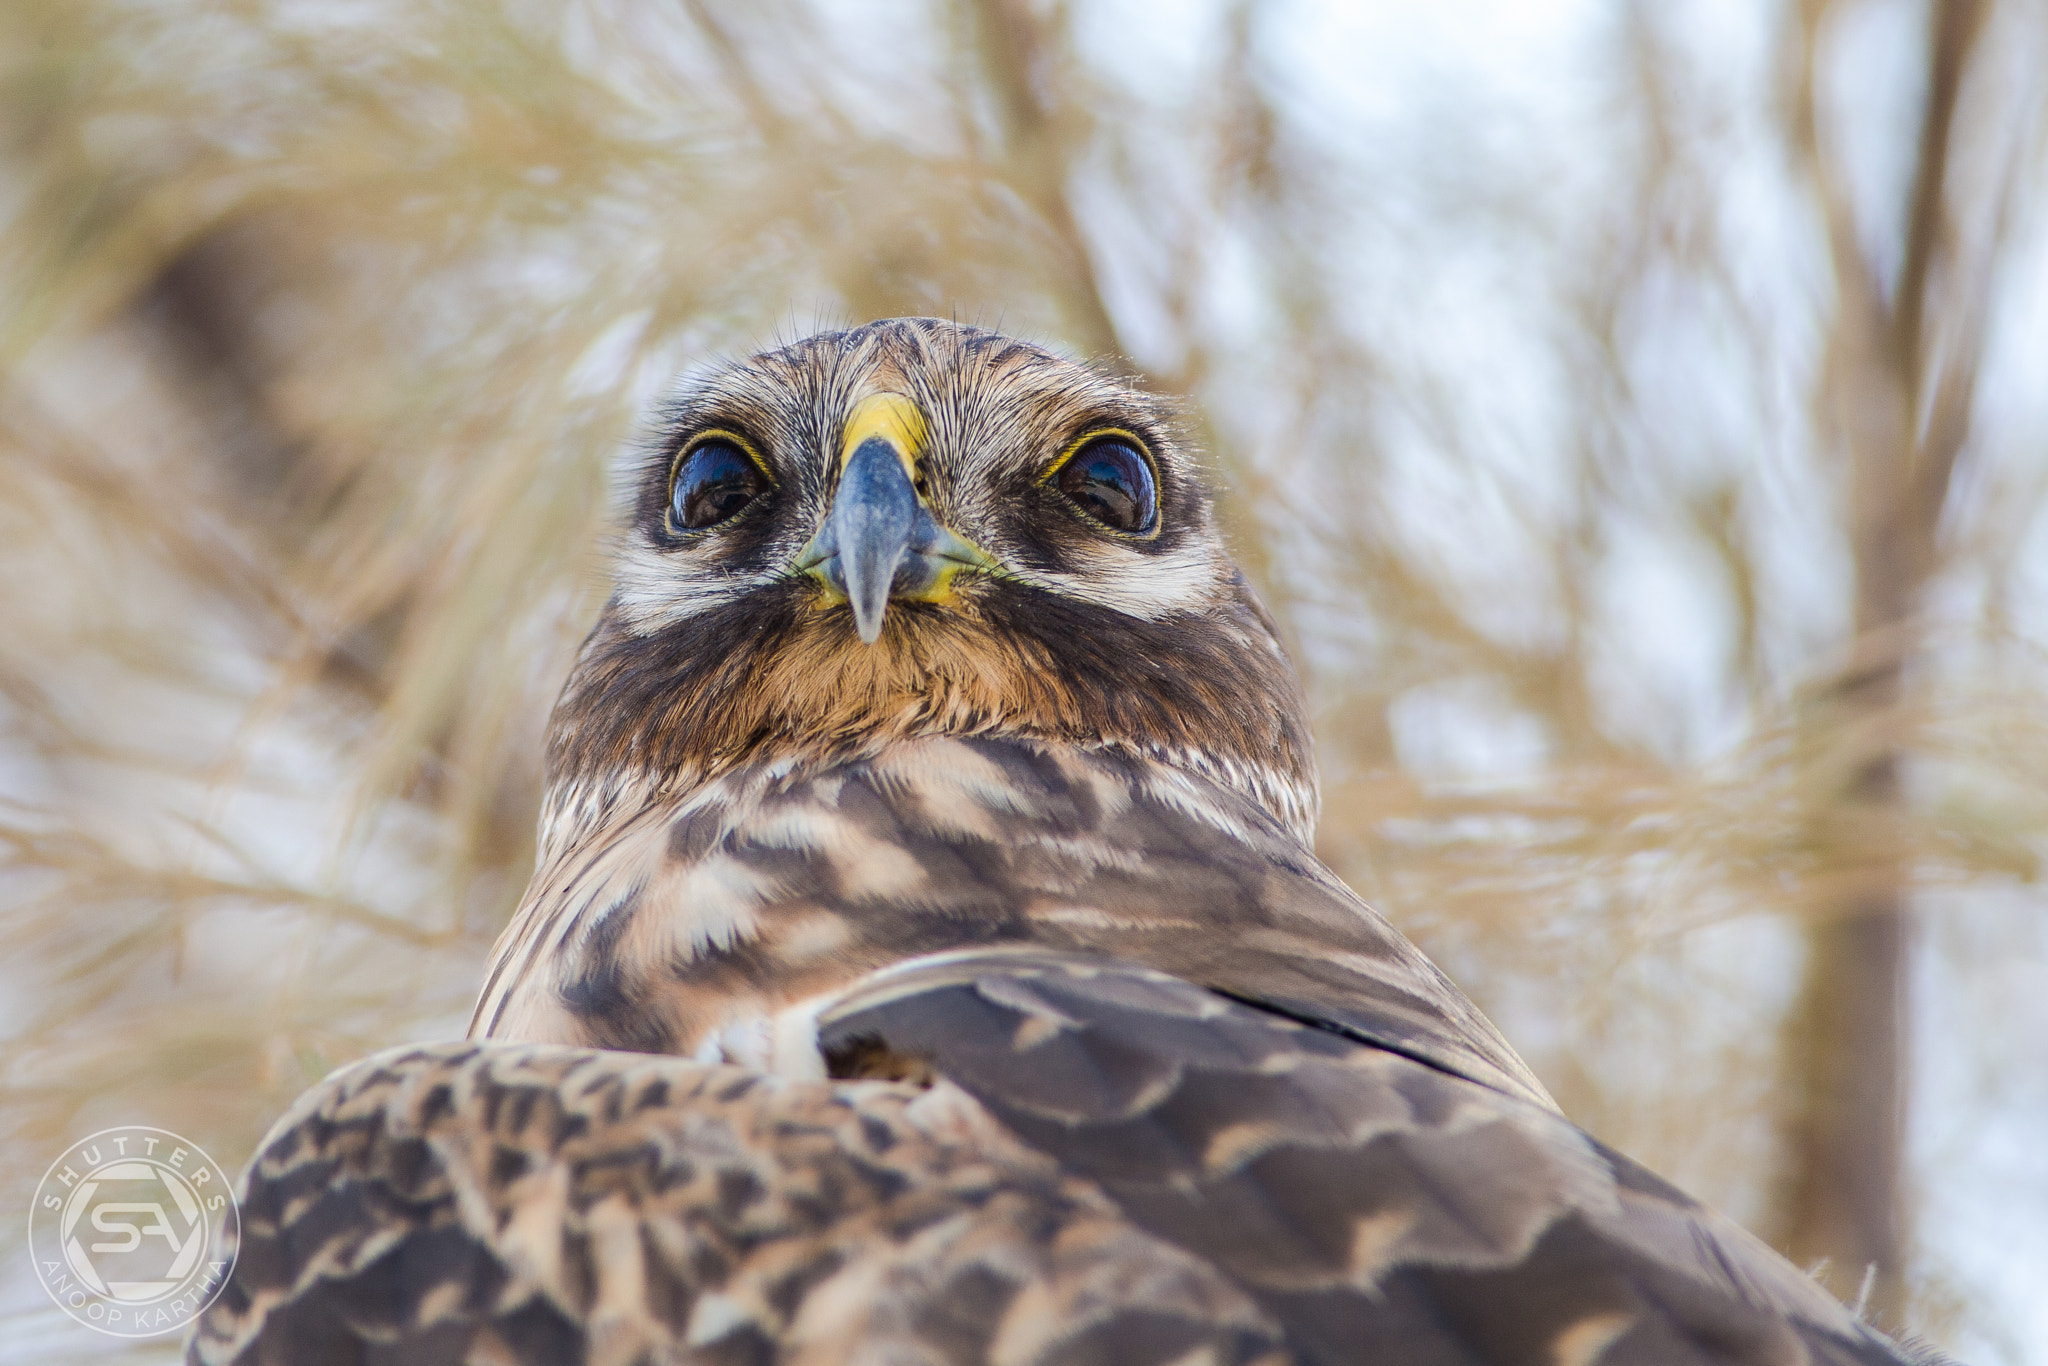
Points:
[[919, 528]]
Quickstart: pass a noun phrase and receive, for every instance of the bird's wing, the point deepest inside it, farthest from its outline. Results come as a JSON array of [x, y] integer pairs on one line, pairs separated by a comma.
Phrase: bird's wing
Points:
[[540, 1205], [1086, 1161], [1378, 1208]]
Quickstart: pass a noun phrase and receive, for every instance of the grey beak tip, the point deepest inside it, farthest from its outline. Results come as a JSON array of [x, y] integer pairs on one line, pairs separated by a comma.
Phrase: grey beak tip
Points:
[[872, 515], [870, 608]]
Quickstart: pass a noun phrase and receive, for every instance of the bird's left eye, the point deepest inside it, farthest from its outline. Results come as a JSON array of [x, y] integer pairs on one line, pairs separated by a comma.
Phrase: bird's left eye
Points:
[[712, 484], [1111, 482]]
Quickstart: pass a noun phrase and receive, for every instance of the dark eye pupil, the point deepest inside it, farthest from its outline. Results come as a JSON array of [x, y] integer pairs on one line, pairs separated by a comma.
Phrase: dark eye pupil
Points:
[[1113, 484], [716, 480]]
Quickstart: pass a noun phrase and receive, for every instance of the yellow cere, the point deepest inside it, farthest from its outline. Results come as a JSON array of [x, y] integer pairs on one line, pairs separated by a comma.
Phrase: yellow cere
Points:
[[893, 417]]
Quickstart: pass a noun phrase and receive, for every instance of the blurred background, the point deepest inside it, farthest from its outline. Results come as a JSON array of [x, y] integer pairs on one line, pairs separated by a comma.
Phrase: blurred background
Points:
[[1636, 414]]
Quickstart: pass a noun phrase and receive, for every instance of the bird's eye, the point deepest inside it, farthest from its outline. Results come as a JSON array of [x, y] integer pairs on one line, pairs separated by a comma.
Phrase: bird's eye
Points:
[[1111, 482], [713, 483]]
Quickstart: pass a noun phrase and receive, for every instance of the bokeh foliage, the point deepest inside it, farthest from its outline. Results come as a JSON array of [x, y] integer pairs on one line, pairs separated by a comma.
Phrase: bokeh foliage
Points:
[[324, 322]]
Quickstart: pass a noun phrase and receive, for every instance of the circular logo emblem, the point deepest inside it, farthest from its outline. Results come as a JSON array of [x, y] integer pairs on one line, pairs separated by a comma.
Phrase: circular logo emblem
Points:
[[134, 1231]]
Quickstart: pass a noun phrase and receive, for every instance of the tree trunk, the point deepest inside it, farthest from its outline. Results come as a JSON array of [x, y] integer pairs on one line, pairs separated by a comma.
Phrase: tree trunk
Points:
[[1847, 1046]]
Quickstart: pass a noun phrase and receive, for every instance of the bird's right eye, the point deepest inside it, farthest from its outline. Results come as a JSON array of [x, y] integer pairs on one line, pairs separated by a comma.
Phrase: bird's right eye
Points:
[[712, 484]]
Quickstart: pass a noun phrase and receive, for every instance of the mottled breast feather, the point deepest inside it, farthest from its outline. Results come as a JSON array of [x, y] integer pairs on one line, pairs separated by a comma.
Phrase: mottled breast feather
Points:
[[765, 889]]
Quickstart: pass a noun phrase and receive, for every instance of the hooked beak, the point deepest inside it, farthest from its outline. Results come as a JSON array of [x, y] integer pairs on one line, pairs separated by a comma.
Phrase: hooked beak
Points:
[[879, 541]]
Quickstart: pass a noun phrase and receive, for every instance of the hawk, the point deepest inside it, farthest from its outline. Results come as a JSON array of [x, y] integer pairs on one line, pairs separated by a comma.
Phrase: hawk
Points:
[[926, 963]]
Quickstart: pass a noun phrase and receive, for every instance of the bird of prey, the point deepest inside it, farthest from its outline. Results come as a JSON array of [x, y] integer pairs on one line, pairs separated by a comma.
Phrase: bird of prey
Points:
[[926, 963]]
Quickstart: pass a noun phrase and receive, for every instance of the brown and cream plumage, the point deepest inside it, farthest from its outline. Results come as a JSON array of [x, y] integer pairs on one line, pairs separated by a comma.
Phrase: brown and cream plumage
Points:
[[935, 793]]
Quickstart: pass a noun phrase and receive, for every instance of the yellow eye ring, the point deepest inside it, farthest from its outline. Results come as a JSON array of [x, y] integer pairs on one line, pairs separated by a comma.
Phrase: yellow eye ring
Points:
[[1126, 506], [675, 517]]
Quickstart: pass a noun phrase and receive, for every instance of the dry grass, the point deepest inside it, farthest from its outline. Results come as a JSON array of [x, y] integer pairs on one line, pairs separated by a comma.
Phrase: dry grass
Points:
[[322, 323]]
